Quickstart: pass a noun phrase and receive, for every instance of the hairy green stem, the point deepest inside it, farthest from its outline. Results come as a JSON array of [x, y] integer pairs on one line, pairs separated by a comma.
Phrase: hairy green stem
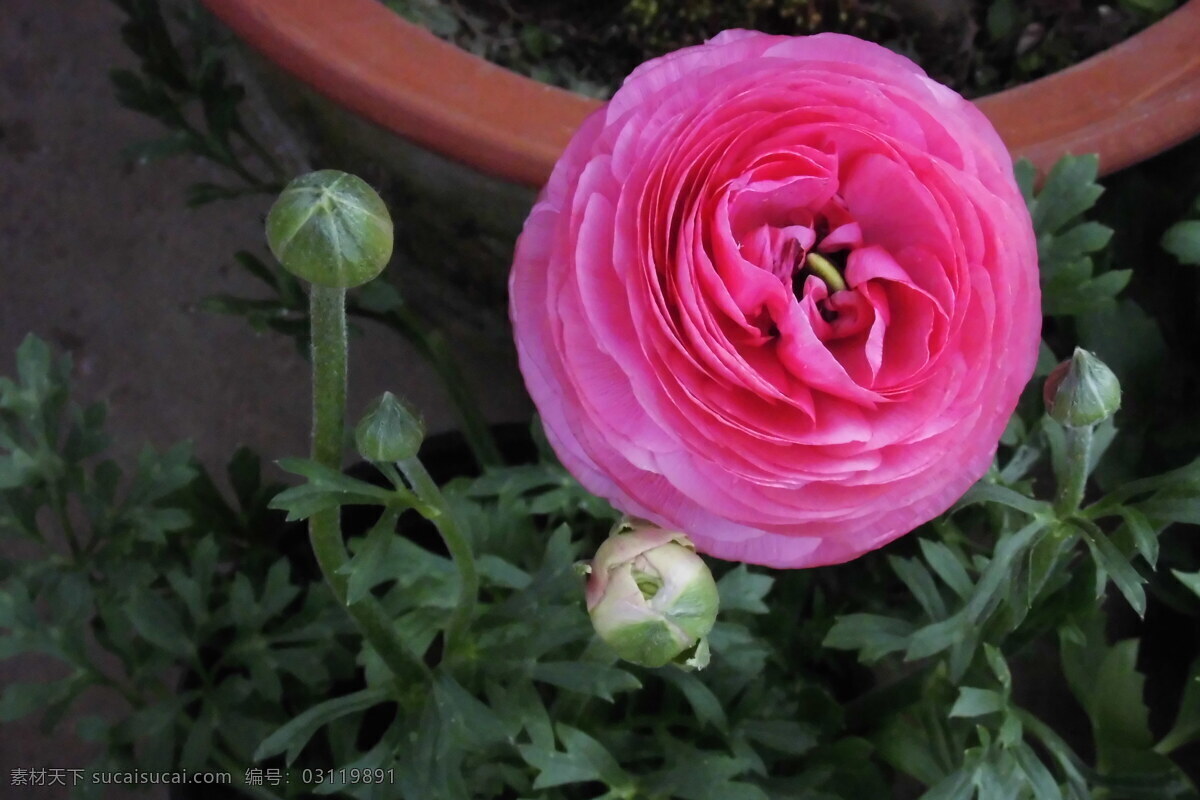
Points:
[[1078, 458], [456, 543], [328, 308]]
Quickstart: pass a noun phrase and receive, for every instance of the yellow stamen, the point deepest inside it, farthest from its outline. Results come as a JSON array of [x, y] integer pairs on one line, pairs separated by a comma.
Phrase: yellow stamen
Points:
[[826, 271]]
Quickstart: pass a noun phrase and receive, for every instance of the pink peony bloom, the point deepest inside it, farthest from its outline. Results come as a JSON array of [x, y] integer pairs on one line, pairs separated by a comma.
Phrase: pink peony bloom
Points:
[[780, 294]]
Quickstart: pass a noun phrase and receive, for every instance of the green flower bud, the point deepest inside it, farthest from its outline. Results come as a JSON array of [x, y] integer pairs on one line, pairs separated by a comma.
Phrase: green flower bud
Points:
[[330, 228], [651, 597], [389, 431], [1082, 391]]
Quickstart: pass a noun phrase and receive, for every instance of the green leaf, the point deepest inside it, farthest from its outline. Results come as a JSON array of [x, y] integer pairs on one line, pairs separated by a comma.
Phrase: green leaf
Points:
[[1182, 240], [242, 606], [595, 680], [1171, 507], [189, 592], [985, 492], [1119, 716], [999, 666], [872, 635], [1189, 579], [1038, 777], [475, 726], [704, 775], [946, 564], [158, 623], [520, 706], [704, 703], [1115, 564], [974, 702], [327, 488], [1069, 190], [786, 736], [498, 572], [584, 759], [920, 585], [198, 744], [1084, 238], [375, 560], [1187, 720], [278, 590], [743, 590], [1026, 174], [1145, 537], [22, 699], [292, 736]]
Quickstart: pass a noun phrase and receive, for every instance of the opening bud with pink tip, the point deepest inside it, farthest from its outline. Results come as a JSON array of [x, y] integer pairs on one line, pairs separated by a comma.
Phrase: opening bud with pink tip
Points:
[[651, 597]]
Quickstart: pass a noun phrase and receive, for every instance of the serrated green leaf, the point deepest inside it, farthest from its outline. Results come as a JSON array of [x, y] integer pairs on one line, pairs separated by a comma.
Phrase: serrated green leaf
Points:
[[584, 760], [1182, 240], [1120, 720], [743, 590], [520, 707], [1186, 727], [473, 725], [498, 572], [1069, 190], [158, 623], [704, 775], [1084, 238]]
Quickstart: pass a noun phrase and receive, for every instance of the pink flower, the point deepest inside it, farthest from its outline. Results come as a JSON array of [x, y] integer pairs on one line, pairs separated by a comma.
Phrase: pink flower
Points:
[[780, 294]]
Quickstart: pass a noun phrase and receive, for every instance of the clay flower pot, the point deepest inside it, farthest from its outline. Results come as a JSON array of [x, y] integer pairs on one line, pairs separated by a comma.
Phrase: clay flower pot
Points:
[[1128, 103]]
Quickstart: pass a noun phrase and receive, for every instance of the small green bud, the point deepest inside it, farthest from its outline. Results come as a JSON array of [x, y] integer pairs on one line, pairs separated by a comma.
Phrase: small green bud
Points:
[[1082, 391], [330, 228], [389, 431], [651, 597]]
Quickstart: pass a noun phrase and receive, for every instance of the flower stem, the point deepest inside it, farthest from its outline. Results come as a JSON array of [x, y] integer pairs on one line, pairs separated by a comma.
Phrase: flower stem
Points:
[[328, 311], [1078, 458], [460, 550]]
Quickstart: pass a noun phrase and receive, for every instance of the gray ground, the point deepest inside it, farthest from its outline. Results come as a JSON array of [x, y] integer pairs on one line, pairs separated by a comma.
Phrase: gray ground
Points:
[[104, 261]]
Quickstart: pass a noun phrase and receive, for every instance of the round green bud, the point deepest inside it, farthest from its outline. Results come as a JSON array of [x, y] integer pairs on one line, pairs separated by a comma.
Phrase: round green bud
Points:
[[1082, 391], [330, 228], [390, 431], [651, 597]]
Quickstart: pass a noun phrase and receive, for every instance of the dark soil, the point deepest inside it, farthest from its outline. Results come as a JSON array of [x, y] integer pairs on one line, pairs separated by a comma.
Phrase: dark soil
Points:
[[975, 46]]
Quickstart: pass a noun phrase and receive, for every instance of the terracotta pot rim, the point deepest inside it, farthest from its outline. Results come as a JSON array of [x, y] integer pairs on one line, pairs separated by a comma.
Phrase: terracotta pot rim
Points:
[[1127, 103]]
